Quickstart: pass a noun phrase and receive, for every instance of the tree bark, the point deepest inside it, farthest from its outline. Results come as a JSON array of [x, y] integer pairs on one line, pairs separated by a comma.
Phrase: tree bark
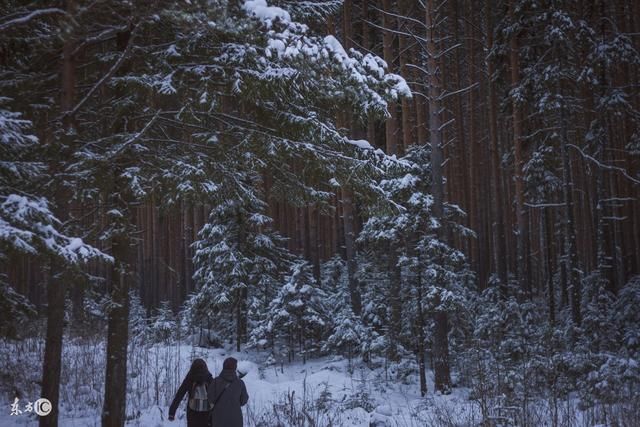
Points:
[[545, 245], [349, 240], [500, 251], [313, 240], [405, 55], [568, 227], [391, 124], [395, 302], [113, 414], [368, 44], [52, 365], [422, 369], [115, 396], [441, 334], [56, 287], [521, 236]]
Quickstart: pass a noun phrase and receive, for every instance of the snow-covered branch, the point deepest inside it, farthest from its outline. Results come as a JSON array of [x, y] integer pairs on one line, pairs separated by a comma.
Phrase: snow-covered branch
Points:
[[29, 16], [603, 165]]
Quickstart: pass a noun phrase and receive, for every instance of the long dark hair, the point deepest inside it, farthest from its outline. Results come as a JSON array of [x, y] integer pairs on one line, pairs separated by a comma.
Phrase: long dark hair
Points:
[[199, 371]]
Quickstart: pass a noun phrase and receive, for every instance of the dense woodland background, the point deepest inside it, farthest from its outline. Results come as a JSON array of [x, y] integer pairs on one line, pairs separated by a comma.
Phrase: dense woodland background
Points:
[[504, 159], [522, 134]]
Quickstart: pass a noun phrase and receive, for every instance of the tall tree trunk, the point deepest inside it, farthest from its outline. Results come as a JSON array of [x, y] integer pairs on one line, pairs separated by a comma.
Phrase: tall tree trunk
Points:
[[348, 203], [441, 333], [313, 240], [368, 44], [391, 124], [462, 149], [115, 385], [395, 302], [470, 174], [115, 395], [521, 236], [238, 320], [51, 366], [545, 245], [420, 353], [405, 55], [605, 234], [241, 313], [349, 240], [500, 251], [568, 228]]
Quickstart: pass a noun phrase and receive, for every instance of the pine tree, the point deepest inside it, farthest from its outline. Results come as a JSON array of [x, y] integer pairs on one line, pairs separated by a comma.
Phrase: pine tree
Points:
[[348, 332], [299, 316], [27, 223], [163, 325], [239, 262], [434, 274], [627, 319]]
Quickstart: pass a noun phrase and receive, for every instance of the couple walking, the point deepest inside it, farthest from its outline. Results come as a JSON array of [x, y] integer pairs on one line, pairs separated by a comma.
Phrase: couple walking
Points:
[[213, 402]]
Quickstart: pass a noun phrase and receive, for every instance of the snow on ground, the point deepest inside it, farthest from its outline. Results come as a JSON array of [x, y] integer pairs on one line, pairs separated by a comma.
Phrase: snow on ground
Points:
[[390, 403]]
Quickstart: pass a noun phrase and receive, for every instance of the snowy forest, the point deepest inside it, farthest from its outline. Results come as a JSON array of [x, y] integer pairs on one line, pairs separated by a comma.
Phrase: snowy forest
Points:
[[393, 213]]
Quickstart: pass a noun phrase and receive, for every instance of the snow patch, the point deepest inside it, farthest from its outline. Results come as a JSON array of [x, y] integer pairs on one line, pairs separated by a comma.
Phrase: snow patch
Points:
[[267, 14], [335, 46], [360, 143]]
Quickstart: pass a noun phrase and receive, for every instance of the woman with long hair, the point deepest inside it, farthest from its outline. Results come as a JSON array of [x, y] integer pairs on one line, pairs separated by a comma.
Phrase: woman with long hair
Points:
[[196, 384]]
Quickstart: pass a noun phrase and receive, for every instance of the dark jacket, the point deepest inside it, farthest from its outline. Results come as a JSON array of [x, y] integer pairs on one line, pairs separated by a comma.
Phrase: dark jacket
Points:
[[227, 412], [194, 419]]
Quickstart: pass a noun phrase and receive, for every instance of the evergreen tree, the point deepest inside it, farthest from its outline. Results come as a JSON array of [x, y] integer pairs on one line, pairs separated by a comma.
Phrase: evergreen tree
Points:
[[27, 223], [299, 315], [434, 275], [163, 325], [240, 263], [350, 334]]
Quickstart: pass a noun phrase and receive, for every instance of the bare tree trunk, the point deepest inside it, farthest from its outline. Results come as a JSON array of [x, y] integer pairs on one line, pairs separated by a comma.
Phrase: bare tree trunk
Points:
[[500, 254], [313, 240], [568, 227], [238, 320], [441, 337], [368, 44], [391, 124], [115, 386], [348, 204], [420, 354], [545, 245], [349, 240], [464, 173], [241, 313], [605, 234], [405, 51], [115, 396], [521, 236], [395, 301], [52, 365], [471, 181], [56, 284]]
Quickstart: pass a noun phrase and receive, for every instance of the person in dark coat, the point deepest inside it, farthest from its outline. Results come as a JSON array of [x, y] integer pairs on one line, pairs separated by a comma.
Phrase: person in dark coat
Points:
[[228, 394], [198, 374]]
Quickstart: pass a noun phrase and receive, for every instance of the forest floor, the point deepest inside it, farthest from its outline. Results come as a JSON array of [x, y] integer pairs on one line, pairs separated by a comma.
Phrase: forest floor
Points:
[[326, 391]]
